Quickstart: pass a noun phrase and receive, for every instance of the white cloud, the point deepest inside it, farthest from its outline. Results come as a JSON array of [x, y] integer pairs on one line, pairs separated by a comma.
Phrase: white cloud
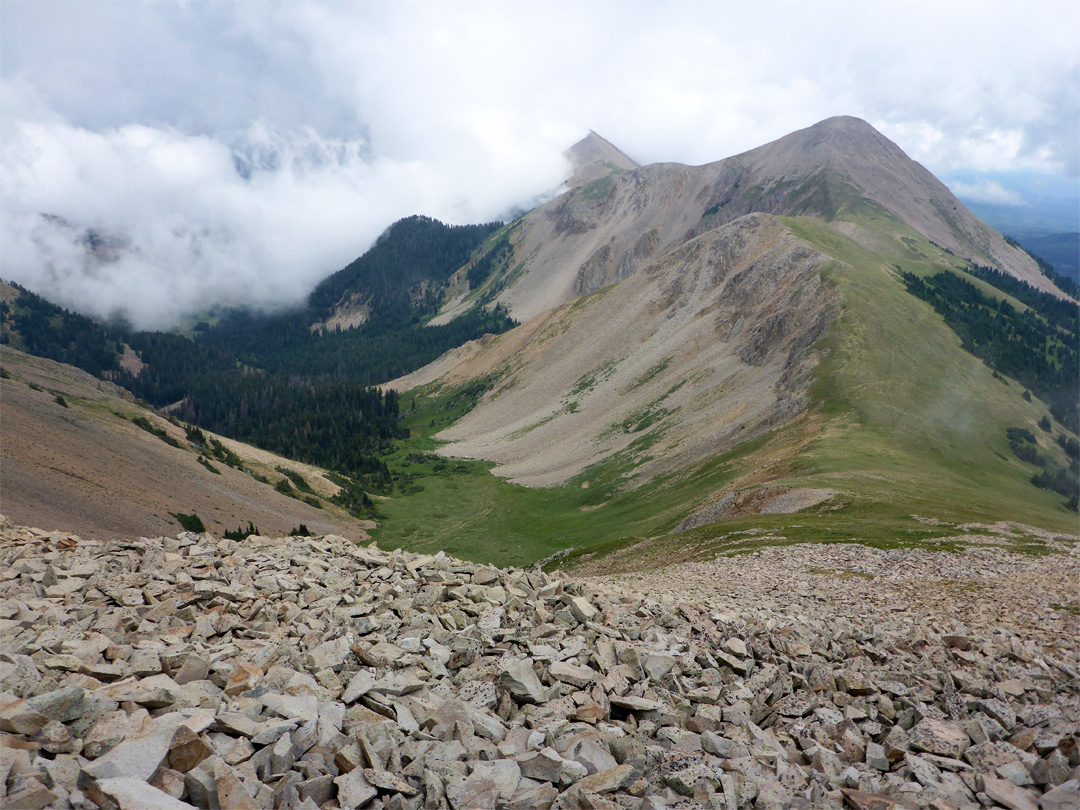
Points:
[[196, 231], [987, 191]]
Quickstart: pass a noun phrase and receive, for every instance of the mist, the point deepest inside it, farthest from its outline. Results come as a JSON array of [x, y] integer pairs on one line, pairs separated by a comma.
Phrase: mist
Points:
[[194, 222]]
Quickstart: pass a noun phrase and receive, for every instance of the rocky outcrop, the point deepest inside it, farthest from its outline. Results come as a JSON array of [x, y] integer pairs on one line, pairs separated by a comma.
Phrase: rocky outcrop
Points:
[[316, 673]]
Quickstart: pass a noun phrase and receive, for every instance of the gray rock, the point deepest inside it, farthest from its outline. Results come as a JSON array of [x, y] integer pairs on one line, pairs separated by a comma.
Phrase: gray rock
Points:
[[353, 790], [1009, 795], [1065, 796], [543, 766], [876, 757], [134, 758], [572, 674], [63, 705], [504, 773], [194, 668], [19, 717], [474, 793], [939, 737], [519, 679], [134, 794]]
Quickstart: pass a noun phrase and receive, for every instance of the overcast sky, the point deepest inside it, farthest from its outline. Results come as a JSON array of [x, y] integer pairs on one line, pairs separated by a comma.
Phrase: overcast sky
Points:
[[242, 151]]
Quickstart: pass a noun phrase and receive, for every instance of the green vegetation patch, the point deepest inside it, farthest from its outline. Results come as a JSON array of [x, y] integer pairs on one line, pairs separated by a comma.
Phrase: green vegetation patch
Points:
[[648, 375], [1040, 346], [460, 506], [241, 533], [590, 379], [912, 418], [189, 523], [149, 427], [297, 479], [598, 190]]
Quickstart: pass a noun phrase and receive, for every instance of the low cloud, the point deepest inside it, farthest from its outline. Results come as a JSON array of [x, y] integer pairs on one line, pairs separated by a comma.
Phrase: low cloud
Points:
[[239, 152], [183, 223], [988, 191]]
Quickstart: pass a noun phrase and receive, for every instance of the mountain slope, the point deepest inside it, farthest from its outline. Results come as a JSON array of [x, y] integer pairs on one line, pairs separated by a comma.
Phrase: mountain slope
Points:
[[841, 171], [705, 370], [707, 347], [832, 169], [79, 455]]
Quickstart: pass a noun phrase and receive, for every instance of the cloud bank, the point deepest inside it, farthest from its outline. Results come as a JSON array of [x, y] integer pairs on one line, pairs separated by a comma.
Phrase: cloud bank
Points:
[[189, 222], [988, 191], [238, 153]]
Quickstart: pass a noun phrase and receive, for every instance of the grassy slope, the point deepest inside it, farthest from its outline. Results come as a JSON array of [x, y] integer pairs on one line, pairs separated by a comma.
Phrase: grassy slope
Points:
[[89, 467], [916, 420], [905, 423], [471, 513]]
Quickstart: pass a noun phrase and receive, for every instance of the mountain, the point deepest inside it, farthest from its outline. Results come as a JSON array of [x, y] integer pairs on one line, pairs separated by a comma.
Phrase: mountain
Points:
[[594, 157], [708, 345], [840, 170], [746, 338], [659, 357]]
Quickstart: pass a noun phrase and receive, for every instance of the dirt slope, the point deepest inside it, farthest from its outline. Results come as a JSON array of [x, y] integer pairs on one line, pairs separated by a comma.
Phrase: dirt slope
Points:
[[707, 347], [86, 468]]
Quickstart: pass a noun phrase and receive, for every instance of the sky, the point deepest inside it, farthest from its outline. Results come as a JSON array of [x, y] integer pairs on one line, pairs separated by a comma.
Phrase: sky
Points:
[[238, 153]]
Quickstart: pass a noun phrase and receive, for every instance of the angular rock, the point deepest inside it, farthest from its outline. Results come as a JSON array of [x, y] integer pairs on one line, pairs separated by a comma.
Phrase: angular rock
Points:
[[134, 794], [519, 679], [353, 790], [608, 781], [1009, 795], [572, 674], [939, 737]]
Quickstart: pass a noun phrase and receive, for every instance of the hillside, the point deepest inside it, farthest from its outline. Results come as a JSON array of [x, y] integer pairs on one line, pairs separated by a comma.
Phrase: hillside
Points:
[[79, 453], [706, 348], [840, 170]]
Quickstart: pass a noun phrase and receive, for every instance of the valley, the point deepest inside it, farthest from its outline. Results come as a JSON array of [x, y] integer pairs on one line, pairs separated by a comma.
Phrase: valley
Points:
[[658, 357]]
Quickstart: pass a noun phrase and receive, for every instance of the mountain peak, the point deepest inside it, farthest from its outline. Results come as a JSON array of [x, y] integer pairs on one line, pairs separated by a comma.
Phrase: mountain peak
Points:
[[841, 142], [594, 156]]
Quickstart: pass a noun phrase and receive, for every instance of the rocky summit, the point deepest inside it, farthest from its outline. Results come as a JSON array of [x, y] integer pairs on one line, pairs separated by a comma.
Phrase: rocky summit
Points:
[[313, 672]]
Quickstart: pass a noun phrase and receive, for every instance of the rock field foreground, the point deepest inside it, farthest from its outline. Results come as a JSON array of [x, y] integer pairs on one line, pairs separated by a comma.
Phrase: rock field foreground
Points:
[[168, 673]]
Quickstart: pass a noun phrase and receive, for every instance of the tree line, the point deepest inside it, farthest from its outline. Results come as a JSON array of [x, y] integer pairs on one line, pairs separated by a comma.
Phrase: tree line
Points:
[[1039, 347]]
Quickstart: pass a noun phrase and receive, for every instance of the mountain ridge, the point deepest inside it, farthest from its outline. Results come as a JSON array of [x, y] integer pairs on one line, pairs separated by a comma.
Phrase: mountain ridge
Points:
[[841, 170], [880, 397]]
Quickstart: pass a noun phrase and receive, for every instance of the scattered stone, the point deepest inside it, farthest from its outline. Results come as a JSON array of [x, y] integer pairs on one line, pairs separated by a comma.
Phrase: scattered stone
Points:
[[1009, 795], [311, 673], [519, 678]]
